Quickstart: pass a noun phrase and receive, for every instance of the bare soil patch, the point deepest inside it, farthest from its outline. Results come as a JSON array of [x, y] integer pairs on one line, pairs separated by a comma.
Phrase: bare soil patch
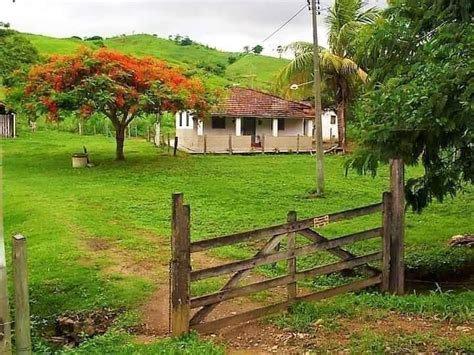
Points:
[[263, 338]]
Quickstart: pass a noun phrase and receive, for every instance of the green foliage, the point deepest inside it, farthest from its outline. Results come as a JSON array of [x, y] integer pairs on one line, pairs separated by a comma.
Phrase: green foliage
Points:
[[421, 105], [212, 68], [94, 38], [16, 53], [122, 343], [257, 49]]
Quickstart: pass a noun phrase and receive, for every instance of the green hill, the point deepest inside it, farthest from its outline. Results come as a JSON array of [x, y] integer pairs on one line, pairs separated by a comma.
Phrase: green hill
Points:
[[212, 65], [50, 45], [255, 70], [142, 45]]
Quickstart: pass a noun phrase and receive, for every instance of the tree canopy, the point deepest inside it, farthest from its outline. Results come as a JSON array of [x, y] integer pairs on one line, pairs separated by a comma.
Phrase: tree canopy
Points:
[[119, 86], [341, 74], [421, 105], [15, 52]]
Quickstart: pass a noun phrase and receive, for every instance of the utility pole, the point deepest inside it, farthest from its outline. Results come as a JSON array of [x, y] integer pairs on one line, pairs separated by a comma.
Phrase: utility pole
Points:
[[317, 124]]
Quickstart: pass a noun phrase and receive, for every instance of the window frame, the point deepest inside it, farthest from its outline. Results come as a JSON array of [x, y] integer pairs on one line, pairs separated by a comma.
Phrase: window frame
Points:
[[281, 124], [218, 122]]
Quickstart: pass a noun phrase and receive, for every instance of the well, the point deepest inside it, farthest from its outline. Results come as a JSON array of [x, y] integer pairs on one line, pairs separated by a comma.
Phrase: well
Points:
[[79, 160]]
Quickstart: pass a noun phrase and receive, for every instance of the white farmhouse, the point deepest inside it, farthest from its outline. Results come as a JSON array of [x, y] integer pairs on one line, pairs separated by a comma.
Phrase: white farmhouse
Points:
[[249, 121]]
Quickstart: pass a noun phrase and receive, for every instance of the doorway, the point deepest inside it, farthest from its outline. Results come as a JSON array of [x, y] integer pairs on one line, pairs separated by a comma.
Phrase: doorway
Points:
[[249, 127]]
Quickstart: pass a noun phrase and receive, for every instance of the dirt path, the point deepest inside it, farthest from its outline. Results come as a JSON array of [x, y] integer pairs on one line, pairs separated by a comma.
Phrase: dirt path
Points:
[[257, 337]]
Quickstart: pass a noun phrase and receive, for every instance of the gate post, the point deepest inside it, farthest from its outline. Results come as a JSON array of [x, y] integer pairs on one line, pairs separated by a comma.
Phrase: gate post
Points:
[[180, 267], [386, 225], [22, 305], [397, 230], [291, 287]]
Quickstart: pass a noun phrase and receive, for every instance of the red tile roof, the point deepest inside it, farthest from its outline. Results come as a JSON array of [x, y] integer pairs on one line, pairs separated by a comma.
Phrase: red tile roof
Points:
[[243, 102]]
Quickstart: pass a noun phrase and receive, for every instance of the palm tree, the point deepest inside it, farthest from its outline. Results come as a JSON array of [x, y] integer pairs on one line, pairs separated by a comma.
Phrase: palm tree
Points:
[[339, 71]]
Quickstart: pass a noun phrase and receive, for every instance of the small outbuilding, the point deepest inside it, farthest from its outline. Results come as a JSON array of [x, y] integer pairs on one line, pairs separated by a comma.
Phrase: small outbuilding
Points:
[[249, 121], [7, 122]]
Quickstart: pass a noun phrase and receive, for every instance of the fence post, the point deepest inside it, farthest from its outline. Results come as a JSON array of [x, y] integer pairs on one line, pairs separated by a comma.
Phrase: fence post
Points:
[[180, 267], [386, 225], [297, 144], [169, 142], [175, 146], [263, 144], [397, 230], [230, 144], [22, 304], [5, 328], [291, 287]]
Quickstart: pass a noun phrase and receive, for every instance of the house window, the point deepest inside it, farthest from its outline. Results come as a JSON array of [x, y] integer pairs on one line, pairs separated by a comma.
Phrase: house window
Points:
[[281, 124], [218, 122], [333, 119]]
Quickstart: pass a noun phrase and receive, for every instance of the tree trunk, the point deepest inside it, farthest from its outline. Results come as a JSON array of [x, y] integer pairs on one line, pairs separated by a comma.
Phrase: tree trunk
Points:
[[120, 138], [341, 125]]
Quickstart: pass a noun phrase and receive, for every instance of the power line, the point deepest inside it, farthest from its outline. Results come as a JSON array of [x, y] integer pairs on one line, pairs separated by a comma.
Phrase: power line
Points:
[[284, 24]]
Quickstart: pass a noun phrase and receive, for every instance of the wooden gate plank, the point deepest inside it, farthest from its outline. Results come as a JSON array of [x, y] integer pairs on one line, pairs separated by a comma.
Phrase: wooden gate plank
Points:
[[234, 280], [291, 263], [268, 259], [212, 326], [338, 251], [263, 233], [224, 295]]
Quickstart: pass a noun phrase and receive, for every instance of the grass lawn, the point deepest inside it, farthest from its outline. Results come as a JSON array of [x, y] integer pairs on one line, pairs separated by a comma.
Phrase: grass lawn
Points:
[[66, 214]]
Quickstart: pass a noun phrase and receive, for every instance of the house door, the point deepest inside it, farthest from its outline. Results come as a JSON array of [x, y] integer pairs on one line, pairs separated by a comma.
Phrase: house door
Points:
[[249, 128]]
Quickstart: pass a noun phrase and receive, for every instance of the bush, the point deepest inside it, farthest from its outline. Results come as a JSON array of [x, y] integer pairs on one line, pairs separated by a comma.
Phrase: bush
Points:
[[94, 38]]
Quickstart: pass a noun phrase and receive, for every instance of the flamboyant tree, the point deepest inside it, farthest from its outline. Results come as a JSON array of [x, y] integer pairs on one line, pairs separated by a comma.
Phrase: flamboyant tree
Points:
[[119, 86]]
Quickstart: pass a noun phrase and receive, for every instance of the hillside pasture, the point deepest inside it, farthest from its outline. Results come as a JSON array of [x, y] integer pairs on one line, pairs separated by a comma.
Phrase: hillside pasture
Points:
[[99, 237], [251, 70]]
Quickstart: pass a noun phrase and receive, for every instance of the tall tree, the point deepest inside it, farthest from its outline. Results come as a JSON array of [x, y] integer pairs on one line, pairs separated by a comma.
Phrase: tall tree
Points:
[[420, 107], [119, 86], [340, 71]]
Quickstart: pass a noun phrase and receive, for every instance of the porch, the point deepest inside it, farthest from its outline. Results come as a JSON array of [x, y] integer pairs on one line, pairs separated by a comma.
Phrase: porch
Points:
[[230, 144], [246, 135]]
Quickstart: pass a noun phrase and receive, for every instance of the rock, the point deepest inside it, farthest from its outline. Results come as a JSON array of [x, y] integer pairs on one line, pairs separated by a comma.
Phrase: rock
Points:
[[463, 329], [462, 240]]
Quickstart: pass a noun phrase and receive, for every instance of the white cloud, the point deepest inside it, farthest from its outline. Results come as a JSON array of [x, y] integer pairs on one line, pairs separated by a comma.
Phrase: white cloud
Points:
[[225, 24]]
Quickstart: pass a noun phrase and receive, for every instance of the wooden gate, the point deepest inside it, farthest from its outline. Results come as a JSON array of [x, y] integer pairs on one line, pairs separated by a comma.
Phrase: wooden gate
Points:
[[389, 276]]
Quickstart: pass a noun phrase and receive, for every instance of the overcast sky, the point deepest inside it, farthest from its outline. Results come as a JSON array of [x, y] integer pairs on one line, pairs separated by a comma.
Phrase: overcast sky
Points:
[[224, 24]]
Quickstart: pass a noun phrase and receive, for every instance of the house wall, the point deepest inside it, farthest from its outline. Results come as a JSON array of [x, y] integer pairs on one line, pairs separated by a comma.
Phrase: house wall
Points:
[[287, 143], [191, 138], [228, 130], [329, 130]]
